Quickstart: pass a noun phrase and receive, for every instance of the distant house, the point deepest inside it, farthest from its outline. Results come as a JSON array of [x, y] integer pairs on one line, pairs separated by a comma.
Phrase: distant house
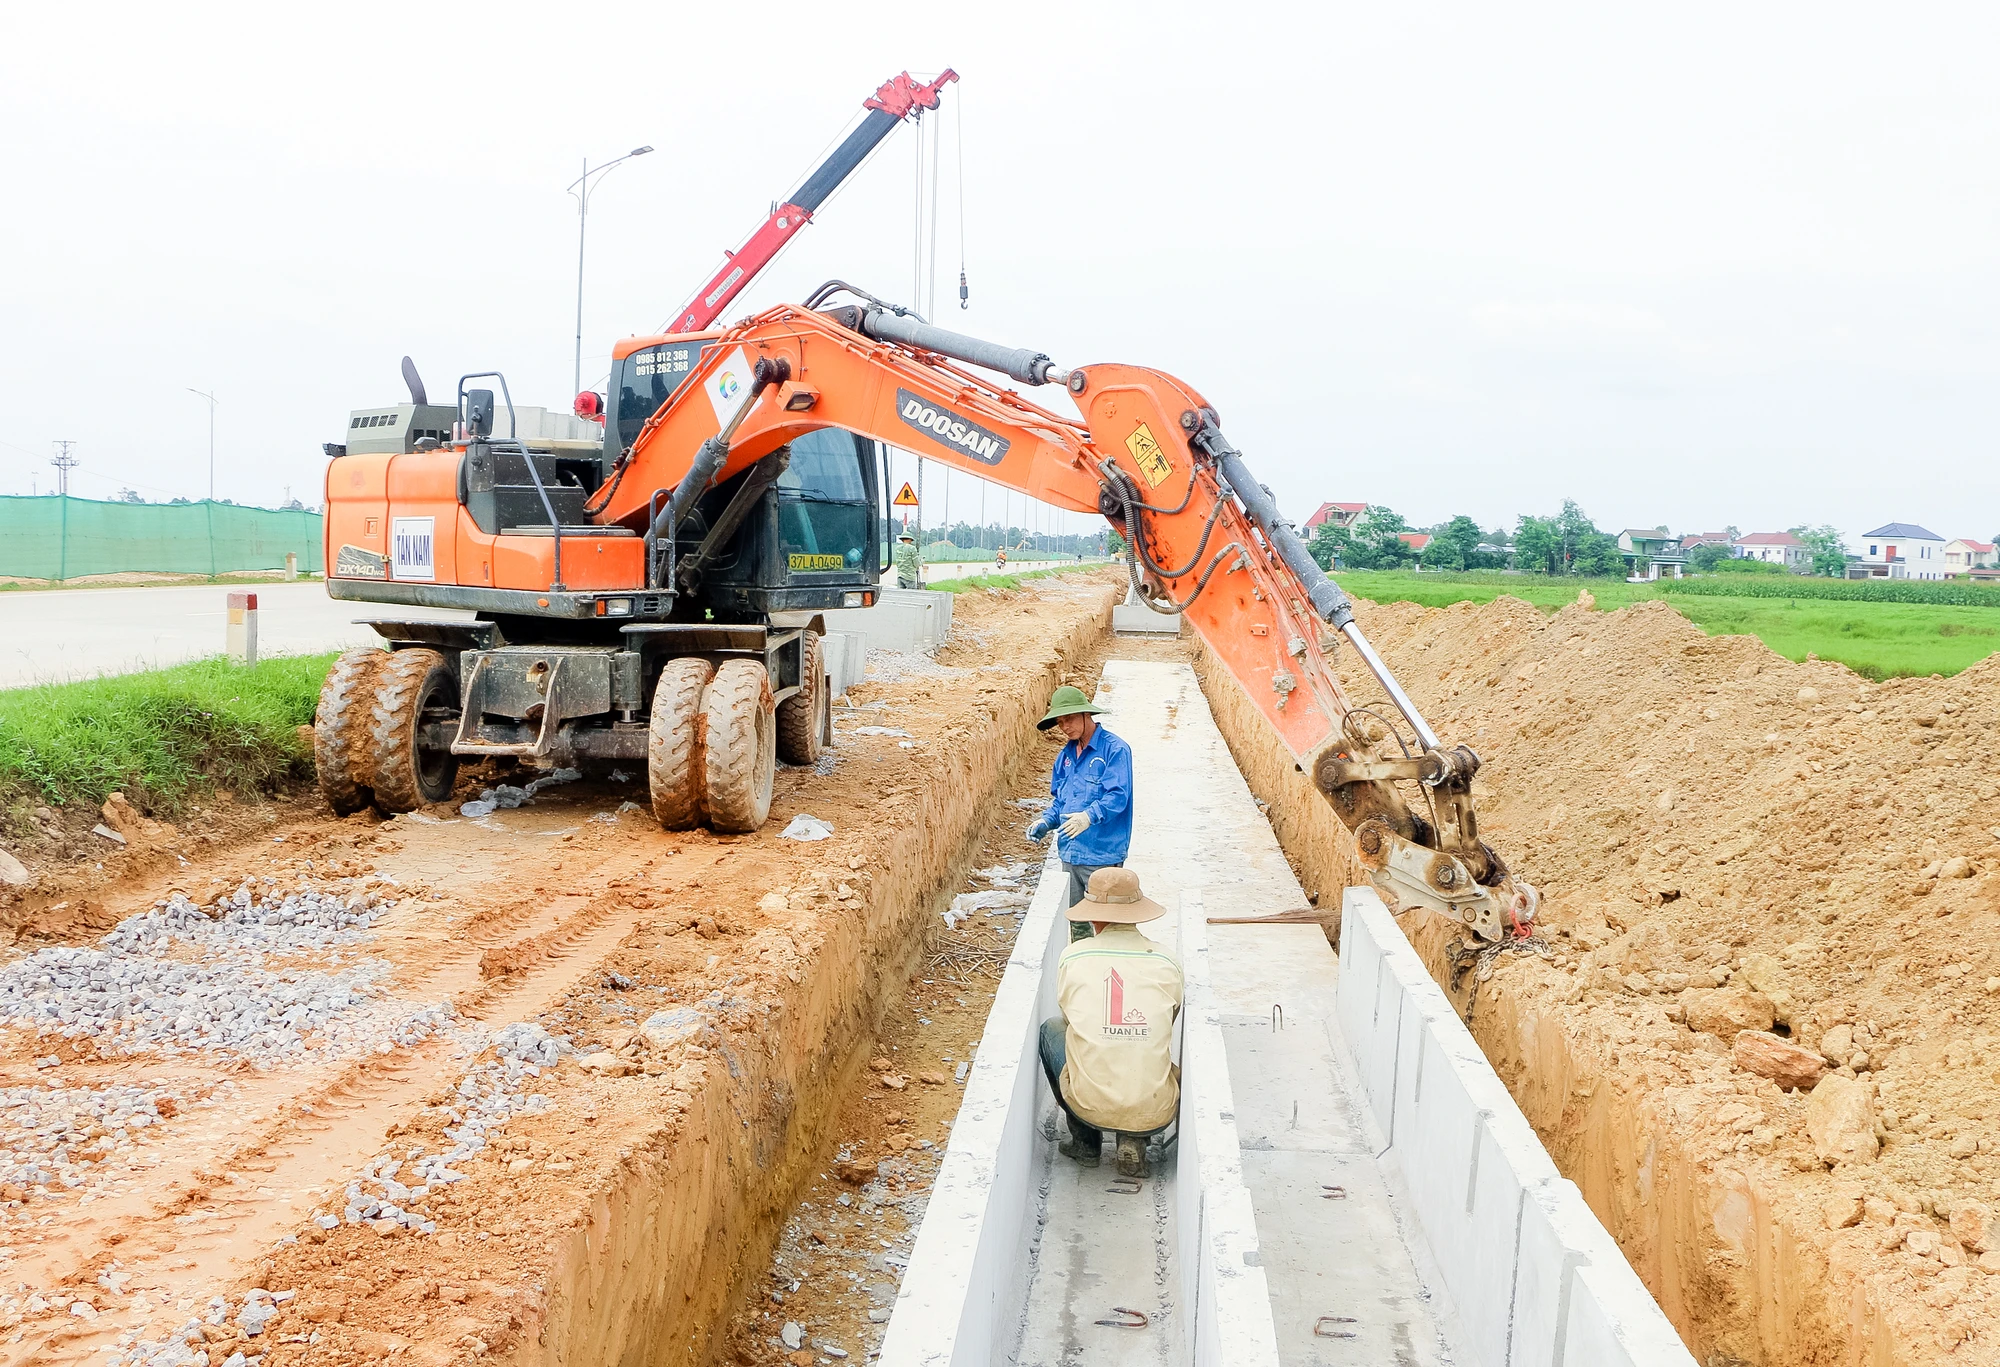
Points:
[[1694, 541], [1341, 515], [1963, 557], [1650, 553], [1776, 548], [1899, 550], [1416, 541]]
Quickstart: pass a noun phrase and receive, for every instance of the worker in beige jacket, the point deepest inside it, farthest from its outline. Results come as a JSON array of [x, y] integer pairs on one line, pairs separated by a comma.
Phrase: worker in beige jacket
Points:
[[1108, 1055]]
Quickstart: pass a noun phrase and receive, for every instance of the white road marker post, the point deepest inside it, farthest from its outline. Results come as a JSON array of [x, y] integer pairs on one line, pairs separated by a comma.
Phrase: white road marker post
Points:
[[291, 566], [240, 643]]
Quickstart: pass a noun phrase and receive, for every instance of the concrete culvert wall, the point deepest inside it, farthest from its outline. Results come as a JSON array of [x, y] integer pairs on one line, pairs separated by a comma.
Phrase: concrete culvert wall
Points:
[[1765, 1043]]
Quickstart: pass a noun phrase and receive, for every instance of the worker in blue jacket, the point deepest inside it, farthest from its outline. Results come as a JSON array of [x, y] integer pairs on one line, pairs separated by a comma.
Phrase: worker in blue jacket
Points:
[[1091, 796]]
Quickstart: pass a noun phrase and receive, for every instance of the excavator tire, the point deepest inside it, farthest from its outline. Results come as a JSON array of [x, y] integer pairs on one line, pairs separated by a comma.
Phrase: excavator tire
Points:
[[406, 684], [740, 747], [799, 715], [673, 744], [340, 731]]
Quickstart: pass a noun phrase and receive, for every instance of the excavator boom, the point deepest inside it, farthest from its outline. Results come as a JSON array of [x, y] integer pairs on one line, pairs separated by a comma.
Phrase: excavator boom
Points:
[[1206, 540]]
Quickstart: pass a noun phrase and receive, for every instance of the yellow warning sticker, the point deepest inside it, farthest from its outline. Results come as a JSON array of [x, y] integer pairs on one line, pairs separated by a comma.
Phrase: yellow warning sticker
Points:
[[818, 562], [1151, 459]]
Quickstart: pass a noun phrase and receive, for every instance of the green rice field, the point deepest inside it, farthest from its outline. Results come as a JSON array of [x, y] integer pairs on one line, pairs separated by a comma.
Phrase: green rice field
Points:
[[1881, 640]]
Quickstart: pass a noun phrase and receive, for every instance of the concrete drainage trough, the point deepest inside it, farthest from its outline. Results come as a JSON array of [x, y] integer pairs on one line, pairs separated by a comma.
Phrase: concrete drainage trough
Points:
[[1352, 1182]]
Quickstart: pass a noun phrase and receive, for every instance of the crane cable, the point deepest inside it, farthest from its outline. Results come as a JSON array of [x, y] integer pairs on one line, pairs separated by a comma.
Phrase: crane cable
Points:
[[958, 124]]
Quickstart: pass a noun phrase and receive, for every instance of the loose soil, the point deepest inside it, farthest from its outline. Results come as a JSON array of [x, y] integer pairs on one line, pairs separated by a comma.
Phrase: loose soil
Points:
[[719, 994], [1724, 840]]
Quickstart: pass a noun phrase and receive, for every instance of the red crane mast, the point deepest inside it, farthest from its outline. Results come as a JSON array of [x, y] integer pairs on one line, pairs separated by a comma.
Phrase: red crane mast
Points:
[[899, 98]]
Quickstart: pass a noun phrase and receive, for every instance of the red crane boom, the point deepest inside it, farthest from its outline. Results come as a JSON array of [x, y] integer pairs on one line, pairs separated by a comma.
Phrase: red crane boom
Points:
[[899, 98]]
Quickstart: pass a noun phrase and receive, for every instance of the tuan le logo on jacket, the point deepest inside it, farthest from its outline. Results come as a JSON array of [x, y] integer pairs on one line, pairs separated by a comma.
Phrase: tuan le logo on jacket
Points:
[[1116, 1013]]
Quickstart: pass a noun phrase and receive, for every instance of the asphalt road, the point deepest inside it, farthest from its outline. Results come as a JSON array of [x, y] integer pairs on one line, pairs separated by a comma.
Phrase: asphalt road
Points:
[[79, 633]]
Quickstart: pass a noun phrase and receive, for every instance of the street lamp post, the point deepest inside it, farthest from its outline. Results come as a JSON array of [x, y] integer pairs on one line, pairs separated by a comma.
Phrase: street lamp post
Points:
[[581, 188], [211, 438]]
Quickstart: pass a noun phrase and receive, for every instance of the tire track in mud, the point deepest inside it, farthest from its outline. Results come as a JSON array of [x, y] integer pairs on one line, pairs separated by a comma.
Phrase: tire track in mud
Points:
[[233, 1205]]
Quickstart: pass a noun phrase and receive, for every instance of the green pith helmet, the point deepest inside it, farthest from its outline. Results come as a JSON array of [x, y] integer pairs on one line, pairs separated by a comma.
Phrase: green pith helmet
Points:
[[1067, 702]]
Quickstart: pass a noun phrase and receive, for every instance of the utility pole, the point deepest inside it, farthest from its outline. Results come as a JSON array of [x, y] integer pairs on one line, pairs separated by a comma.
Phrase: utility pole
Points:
[[211, 439], [64, 463]]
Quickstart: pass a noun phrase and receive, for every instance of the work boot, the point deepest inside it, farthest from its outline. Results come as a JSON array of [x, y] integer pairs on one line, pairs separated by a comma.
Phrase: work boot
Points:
[[1131, 1156], [1089, 1155]]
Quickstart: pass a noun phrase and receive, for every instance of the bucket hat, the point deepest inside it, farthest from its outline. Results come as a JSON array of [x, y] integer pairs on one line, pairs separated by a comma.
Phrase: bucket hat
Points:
[[1067, 702], [1113, 895]]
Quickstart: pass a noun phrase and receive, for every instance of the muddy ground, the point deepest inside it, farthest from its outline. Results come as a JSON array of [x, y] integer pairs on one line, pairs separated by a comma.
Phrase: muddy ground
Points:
[[446, 1089], [1729, 842]]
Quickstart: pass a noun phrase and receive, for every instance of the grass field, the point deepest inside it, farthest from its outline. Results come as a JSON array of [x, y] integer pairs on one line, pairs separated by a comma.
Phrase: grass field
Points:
[[975, 582], [161, 736], [1879, 640]]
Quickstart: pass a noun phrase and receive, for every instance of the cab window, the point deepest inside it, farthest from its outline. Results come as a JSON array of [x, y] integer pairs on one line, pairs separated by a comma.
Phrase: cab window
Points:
[[824, 508]]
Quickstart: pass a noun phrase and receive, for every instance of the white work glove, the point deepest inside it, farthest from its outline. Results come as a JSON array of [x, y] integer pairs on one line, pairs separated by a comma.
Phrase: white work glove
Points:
[[1075, 824]]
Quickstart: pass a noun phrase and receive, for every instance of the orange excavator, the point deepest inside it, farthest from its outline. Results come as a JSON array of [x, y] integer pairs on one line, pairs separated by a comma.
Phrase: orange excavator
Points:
[[661, 603]]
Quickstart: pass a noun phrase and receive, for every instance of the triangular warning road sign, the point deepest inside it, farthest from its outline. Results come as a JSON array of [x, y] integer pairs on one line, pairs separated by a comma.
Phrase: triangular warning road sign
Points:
[[907, 498]]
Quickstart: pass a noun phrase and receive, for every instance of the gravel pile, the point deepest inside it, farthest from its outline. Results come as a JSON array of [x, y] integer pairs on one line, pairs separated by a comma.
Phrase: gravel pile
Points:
[[488, 1097], [889, 666], [292, 922], [185, 1347], [140, 992], [48, 1130]]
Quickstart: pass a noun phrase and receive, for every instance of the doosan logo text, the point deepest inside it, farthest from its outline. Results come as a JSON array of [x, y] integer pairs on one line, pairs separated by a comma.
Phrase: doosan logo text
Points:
[[948, 428]]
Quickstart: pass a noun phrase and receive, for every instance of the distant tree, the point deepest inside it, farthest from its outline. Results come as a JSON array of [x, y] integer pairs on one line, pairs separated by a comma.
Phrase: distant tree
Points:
[[1597, 554], [1568, 543], [1326, 545], [1374, 542], [1703, 559], [1454, 545], [1829, 549], [1538, 545]]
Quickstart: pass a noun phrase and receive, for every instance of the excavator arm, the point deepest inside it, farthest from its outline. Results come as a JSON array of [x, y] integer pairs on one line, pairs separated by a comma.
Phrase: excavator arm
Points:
[[1205, 539]]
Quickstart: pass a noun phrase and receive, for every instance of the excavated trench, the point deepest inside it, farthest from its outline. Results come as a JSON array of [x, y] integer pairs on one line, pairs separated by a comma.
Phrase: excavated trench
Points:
[[676, 1239], [1727, 841]]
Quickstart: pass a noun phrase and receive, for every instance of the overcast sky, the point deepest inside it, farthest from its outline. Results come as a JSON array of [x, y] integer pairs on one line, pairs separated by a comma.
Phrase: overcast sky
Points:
[[1698, 265]]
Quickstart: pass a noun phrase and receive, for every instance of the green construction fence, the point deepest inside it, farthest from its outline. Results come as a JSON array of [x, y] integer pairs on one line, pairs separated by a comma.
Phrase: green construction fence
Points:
[[57, 537]]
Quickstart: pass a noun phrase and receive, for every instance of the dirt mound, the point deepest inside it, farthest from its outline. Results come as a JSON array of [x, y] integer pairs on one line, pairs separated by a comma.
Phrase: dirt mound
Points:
[[1730, 841]]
